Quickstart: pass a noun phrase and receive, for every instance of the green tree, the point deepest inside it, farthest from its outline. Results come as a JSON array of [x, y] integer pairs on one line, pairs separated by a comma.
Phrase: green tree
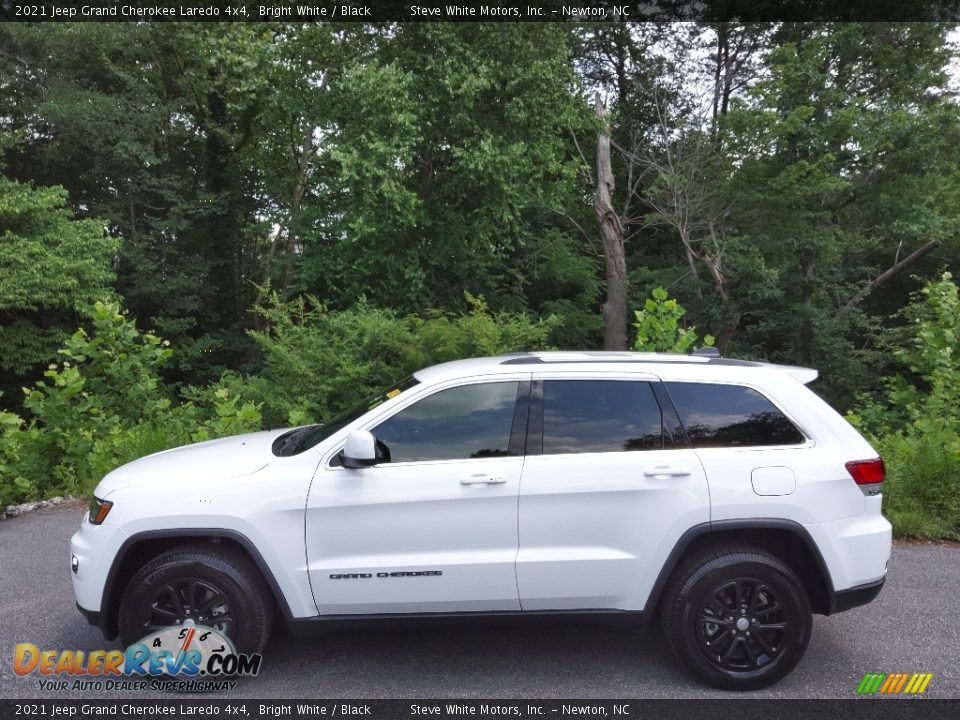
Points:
[[52, 270], [450, 168], [844, 166], [149, 126]]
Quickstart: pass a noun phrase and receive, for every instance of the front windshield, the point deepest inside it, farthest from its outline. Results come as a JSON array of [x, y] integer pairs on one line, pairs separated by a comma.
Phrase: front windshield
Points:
[[297, 441]]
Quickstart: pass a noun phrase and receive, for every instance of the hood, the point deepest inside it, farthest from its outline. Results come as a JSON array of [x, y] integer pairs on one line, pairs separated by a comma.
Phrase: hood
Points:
[[211, 460]]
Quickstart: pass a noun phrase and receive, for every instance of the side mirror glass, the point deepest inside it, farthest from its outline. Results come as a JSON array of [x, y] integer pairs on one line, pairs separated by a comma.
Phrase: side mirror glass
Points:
[[360, 450]]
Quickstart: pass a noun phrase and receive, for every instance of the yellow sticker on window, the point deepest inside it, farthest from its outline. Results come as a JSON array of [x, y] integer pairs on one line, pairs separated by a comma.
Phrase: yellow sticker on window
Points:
[[393, 393]]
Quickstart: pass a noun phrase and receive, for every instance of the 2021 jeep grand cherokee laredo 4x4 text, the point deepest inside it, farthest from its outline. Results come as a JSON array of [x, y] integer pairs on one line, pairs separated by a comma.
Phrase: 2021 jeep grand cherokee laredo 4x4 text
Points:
[[722, 496]]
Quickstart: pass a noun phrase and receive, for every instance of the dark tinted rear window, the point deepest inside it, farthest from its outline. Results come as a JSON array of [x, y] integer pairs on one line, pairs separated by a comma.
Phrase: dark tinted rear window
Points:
[[730, 416], [588, 416]]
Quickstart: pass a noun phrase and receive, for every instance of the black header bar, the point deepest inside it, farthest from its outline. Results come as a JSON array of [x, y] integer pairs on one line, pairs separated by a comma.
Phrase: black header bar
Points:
[[471, 11], [195, 707]]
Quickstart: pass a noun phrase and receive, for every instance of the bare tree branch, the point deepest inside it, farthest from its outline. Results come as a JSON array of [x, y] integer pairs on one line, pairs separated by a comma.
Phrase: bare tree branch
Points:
[[890, 272]]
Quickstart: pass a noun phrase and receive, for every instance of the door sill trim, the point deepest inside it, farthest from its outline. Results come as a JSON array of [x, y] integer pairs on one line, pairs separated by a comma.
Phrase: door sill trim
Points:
[[305, 627]]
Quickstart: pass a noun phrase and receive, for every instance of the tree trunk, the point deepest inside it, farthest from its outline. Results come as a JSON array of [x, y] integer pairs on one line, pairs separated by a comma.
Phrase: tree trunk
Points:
[[286, 233], [611, 232], [299, 188], [714, 263]]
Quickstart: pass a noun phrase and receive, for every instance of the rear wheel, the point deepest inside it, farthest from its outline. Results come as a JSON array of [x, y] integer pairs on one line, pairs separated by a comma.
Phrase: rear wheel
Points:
[[212, 585], [738, 618]]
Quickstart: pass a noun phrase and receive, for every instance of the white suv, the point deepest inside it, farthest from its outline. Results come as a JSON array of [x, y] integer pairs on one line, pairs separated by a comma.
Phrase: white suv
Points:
[[721, 495]]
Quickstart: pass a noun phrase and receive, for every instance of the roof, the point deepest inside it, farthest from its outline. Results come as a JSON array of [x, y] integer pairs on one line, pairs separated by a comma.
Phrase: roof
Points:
[[580, 360]]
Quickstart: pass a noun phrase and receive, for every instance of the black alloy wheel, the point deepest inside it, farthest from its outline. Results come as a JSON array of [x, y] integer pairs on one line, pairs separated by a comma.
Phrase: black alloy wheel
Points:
[[191, 599], [212, 584], [742, 624], [737, 617]]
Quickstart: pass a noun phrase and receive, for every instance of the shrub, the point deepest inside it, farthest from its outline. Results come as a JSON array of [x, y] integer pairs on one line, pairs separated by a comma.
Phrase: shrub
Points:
[[915, 423], [103, 405], [922, 492], [658, 326], [317, 362]]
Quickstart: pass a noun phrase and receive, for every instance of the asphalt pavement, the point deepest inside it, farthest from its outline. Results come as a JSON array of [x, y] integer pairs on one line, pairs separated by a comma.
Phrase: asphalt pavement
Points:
[[914, 626]]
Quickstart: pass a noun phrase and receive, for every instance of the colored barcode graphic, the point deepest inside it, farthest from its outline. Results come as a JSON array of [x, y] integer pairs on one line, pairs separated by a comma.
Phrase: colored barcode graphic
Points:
[[894, 683]]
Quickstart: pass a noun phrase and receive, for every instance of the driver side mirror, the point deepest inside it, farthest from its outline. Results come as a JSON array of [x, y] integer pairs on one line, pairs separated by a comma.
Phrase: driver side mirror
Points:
[[360, 450]]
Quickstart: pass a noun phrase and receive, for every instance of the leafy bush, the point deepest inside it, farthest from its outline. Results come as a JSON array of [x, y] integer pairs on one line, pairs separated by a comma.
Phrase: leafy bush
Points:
[[915, 423], [922, 491], [103, 405], [659, 327], [317, 362]]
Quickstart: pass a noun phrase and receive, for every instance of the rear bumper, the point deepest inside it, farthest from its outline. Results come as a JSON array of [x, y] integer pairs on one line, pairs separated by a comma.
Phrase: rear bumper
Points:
[[856, 550], [855, 597]]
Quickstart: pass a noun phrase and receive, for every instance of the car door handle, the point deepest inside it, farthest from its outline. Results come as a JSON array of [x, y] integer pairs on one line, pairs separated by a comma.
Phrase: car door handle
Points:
[[483, 480], [665, 471]]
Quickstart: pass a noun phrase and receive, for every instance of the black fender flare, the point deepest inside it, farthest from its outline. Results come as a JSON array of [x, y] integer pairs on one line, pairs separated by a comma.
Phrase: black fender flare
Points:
[[718, 526], [106, 619]]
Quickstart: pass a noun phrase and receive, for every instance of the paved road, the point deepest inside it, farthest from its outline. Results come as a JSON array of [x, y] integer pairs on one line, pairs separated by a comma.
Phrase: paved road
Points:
[[913, 626]]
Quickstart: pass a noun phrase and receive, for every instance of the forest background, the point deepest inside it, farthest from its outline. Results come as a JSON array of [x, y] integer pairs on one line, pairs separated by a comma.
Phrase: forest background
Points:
[[212, 228]]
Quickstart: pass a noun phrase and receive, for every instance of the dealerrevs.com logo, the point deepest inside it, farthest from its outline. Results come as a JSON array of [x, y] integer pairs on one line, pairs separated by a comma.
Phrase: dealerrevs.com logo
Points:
[[894, 683], [184, 657]]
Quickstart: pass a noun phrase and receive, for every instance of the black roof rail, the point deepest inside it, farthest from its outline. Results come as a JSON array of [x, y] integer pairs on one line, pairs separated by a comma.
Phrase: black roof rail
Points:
[[525, 359], [709, 356]]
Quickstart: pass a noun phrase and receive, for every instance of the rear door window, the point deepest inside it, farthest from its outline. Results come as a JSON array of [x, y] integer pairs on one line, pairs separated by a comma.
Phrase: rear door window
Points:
[[592, 416]]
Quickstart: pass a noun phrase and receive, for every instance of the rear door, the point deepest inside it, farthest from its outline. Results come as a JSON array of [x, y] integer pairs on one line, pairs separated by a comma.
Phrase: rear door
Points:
[[608, 487]]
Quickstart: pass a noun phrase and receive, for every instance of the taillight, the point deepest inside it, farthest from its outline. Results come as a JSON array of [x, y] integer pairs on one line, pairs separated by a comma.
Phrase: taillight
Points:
[[868, 474]]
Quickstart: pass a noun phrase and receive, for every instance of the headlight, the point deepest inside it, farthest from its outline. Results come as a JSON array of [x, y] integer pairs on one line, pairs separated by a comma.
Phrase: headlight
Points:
[[99, 509]]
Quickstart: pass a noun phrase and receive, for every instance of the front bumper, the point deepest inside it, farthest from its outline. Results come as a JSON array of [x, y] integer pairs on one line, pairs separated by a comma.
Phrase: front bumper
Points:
[[94, 547], [93, 617]]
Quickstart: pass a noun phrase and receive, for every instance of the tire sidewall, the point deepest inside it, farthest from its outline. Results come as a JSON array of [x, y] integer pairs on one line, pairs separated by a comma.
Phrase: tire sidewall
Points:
[[703, 583], [134, 606]]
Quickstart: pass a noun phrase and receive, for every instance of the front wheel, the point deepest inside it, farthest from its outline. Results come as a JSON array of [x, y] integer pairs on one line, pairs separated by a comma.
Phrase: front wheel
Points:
[[212, 585], [738, 618]]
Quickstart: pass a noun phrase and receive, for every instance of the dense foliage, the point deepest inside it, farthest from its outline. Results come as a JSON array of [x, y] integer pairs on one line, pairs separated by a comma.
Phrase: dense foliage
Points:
[[307, 212], [105, 402], [914, 420], [317, 362], [52, 269]]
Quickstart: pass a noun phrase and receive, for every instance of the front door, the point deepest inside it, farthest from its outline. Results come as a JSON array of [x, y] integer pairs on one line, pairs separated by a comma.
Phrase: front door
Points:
[[434, 529]]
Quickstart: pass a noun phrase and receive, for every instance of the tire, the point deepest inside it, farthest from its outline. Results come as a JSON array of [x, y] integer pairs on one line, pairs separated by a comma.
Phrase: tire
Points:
[[230, 593], [758, 636]]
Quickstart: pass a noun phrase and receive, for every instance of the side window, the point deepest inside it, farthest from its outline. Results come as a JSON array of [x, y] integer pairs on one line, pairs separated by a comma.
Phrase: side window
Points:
[[588, 416], [471, 421], [730, 416]]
